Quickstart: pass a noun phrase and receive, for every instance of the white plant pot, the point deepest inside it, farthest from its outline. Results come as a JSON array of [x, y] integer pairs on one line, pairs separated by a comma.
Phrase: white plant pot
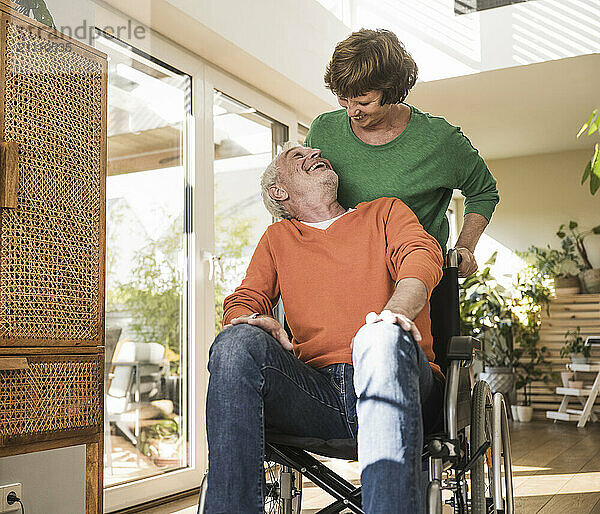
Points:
[[579, 358], [514, 412], [565, 376], [525, 413]]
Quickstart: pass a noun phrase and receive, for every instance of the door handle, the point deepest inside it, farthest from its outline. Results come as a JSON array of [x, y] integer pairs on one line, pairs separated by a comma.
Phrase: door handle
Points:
[[9, 174]]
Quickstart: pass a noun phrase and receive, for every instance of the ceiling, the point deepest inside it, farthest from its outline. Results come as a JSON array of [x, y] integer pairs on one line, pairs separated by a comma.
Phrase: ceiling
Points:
[[524, 110]]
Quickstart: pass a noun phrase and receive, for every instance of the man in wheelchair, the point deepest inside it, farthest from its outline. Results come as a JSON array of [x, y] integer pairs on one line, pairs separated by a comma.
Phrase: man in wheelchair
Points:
[[374, 381]]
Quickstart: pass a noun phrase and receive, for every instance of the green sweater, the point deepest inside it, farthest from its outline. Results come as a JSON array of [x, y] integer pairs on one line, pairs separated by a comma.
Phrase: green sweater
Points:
[[421, 166]]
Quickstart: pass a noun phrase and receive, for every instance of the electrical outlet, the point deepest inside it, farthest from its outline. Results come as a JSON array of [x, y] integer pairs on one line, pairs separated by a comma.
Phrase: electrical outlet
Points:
[[5, 491]]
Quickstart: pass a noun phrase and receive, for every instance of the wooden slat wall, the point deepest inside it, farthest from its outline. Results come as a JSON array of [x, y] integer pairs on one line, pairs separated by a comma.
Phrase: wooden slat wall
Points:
[[566, 313]]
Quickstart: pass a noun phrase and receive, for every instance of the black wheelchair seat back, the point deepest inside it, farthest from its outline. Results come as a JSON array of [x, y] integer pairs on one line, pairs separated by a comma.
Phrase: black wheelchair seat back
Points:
[[445, 315]]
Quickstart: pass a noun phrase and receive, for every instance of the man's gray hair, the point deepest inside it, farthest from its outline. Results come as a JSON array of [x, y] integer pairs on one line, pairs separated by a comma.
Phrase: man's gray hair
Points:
[[269, 179]]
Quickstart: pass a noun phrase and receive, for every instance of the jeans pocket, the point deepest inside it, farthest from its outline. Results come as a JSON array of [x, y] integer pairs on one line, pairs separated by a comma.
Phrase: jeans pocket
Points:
[[333, 374]]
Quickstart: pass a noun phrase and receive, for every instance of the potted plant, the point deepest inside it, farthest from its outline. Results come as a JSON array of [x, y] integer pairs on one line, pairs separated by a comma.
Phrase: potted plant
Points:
[[162, 441], [531, 366], [530, 360], [485, 313], [571, 236], [574, 347], [562, 265]]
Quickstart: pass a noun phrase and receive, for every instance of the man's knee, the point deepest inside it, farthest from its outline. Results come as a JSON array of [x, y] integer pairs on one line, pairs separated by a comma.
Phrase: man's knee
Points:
[[237, 347], [383, 342]]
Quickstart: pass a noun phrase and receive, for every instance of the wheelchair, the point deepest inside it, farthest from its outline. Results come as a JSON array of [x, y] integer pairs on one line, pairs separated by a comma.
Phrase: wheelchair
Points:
[[474, 440]]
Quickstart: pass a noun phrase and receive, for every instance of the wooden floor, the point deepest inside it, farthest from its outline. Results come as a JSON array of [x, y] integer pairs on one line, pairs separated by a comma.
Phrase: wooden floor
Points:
[[556, 468], [556, 471]]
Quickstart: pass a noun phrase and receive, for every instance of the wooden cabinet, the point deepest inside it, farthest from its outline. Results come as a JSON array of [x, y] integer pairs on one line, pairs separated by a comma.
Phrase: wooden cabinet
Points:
[[52, 242]]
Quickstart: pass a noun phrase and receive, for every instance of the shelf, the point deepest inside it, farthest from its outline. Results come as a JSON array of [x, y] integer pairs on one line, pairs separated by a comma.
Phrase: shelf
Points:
[[562, 416], [572, 392], [593, 367]]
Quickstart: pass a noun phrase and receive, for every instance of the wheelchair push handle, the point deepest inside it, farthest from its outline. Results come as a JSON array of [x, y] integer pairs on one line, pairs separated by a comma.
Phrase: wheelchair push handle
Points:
[[453, 258]]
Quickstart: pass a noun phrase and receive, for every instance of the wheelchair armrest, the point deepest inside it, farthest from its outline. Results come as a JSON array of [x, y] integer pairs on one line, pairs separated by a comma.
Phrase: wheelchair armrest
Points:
[[462, 347]]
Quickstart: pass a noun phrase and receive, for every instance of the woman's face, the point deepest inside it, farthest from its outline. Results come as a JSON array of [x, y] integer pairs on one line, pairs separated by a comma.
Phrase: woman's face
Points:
[[365, 110]]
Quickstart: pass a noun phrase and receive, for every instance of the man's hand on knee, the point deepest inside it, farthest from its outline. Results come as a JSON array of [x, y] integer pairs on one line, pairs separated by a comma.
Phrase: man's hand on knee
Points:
[[395, 318], [270, 325]]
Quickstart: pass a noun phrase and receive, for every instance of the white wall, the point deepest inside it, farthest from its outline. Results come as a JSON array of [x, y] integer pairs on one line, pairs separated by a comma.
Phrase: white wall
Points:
[[53, 481], [537, 194], [446, 45]]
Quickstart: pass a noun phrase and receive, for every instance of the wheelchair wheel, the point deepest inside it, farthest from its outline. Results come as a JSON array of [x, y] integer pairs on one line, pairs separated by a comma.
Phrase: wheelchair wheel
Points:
[[283, 489], [501, 458], [481, 432]]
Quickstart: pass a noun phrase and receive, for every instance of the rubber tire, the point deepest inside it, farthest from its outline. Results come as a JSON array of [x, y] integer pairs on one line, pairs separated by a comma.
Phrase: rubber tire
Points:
[[480, 422]]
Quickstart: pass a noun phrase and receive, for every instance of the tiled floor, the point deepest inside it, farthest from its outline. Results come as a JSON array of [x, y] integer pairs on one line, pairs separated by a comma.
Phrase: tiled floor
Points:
[[556, 471]]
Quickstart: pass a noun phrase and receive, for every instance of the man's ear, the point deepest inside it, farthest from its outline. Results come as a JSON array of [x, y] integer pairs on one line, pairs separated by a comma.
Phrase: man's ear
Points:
[[278, 194]]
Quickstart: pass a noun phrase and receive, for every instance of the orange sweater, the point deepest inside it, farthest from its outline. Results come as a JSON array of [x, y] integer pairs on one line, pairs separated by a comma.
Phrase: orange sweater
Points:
[[330, 279]]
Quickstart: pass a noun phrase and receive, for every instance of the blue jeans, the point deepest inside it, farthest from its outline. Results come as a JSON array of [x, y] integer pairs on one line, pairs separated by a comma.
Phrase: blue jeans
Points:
[[255, 384]]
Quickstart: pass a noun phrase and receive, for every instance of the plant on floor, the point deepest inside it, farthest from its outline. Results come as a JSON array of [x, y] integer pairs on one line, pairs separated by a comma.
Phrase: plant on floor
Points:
[[573, 345], [530, 298], [37, 10], [592, 168], [485, 313]]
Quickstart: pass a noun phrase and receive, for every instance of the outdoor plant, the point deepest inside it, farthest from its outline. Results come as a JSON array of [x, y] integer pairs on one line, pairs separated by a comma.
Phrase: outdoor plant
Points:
[[232, 241], [37, 10], [592, 168], [154, 293], [574, 344], [162, 438]]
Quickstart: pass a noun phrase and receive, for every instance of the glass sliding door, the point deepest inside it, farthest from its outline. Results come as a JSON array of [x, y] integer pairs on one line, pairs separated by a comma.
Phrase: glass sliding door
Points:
[[147, 299], [245, 142]]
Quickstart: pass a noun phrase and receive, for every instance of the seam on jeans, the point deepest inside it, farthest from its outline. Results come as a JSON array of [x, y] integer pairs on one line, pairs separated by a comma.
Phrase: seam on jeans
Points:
[[343, 384], [262, 446], [301, 388]]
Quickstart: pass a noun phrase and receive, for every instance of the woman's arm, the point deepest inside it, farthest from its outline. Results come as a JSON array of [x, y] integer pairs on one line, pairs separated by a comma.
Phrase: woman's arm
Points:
[[473, 226]]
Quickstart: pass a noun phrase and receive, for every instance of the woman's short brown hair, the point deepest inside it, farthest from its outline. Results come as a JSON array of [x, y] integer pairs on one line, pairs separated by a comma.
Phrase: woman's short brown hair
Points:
[[371, 60]]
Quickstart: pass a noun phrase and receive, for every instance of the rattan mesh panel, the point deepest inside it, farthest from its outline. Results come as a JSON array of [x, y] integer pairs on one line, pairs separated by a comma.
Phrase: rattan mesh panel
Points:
[[49, 255], [54, 394]]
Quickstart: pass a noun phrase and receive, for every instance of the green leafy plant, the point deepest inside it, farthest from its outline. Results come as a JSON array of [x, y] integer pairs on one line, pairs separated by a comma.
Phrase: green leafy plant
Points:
[[572, 237], [531, 296], [37, 10], [551, 263], [232, 239], [592, 168], [574, 344], [161, 435], [508, 322], [154, 294], [485, 313]]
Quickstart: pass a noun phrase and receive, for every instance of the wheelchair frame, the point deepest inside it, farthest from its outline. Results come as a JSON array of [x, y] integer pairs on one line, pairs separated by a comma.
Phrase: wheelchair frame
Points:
[[448, 452]]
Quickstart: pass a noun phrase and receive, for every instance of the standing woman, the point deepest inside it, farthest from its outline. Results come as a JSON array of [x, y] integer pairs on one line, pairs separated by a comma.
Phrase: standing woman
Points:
[[382, 147]]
